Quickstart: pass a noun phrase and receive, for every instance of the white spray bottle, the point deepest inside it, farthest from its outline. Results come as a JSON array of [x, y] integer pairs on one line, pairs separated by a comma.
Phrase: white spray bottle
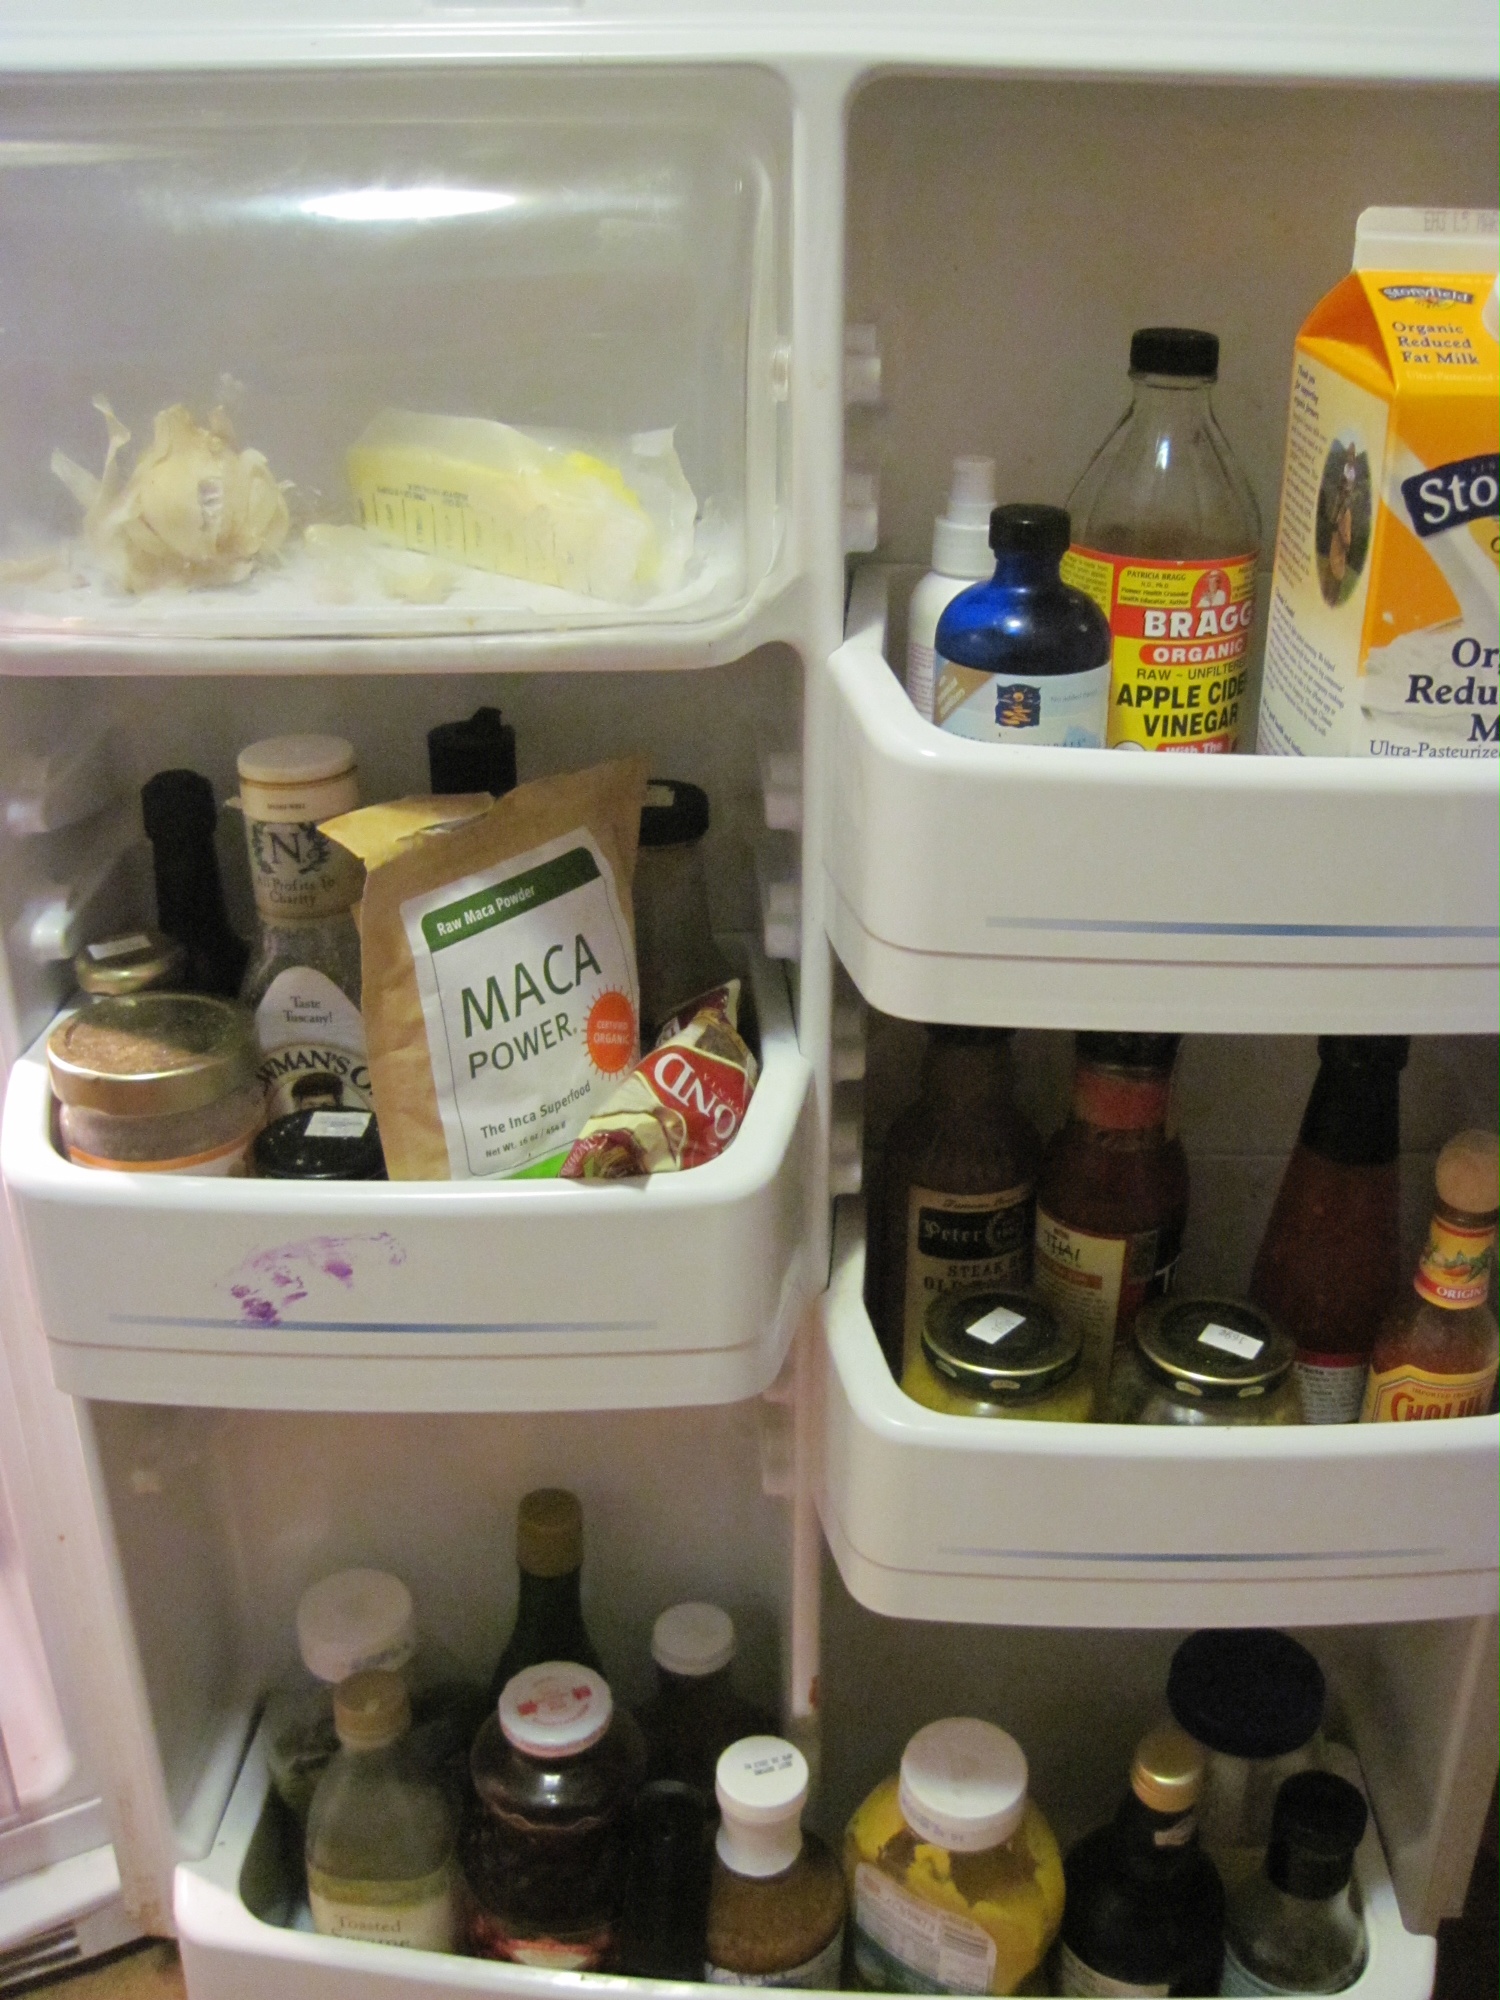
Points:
[[960, 556]]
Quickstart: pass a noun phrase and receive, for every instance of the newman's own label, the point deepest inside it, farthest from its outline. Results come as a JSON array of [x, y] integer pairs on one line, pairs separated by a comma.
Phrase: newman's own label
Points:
[[960, 1242], [1180, 634]]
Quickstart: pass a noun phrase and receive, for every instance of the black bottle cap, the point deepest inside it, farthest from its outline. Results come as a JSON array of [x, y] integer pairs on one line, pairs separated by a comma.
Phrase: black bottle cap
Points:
[[1318, 1822], [1030, 529], [1365, 1051], [1174, 350], [1116, 1049], [326, 1142], [675, 812], [178, 805], [1253, 1693], [474, 756], [666, 1883], [950, 1035]]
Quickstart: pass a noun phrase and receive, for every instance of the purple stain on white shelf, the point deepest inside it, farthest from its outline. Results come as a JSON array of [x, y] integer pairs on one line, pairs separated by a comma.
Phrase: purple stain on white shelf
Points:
[[271, 1282]]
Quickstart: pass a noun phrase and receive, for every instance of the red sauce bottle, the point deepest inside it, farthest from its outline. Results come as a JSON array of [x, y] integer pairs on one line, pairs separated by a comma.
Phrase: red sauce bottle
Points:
[[1435, 1353], [1329, 1263], [1112, 1197]]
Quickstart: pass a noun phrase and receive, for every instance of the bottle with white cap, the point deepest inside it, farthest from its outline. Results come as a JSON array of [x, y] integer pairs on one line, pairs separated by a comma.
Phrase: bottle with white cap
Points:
[[776, 1901], [349, 1623], [960, 556], [556, 1768], [380, 1835], [955, 1881], [695, 1713], [303, 982]]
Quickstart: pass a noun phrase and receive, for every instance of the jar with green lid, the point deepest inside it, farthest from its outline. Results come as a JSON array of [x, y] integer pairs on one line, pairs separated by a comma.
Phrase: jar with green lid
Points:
[[137, 962], [1205, 1361], [161, 1083], [999, 1354]]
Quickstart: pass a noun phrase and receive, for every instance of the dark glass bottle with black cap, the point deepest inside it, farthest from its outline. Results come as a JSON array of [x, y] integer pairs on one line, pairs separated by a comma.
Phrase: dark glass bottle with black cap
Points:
[[1023, 659], [664, 1914], [1112, 1199], [674, 943], [1144, 1911], [477, 755], [1254, 1700], [953, 1197], [1166, 538], [181, 816], [1296, 1928], [1329, 1264]]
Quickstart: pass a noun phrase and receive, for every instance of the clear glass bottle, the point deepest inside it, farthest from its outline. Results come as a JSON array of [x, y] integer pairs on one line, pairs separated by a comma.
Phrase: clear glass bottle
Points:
[[1435, 1354], [1166, 539], [1112, 1196], [1023, 659], [695, 1713], [303, 982], [1145, 1907], [549, 1614], [1254, 1700], [556, 1769], [674, 943], [776, 1896], [1329, 1267], [352, 1622], [1296, 1927], [955, 1881], [380, 1836], [953, 1198]]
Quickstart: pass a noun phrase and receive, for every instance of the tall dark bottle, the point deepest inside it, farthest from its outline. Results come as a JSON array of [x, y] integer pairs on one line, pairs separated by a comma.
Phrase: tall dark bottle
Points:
[[1329, 1264], [180, 816], [955, 1195], [549, 1614], [1145, 1908]]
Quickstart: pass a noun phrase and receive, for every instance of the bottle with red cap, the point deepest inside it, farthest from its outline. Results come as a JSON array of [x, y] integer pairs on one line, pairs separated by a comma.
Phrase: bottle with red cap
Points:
[[556, 1769]]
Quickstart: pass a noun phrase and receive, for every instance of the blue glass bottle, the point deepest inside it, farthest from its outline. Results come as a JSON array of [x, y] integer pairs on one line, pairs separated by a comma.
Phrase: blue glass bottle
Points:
[[1024, 659]]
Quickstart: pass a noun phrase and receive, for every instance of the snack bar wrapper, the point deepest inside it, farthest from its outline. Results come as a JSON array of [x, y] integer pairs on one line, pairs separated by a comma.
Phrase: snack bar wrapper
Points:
[[680, 1105]]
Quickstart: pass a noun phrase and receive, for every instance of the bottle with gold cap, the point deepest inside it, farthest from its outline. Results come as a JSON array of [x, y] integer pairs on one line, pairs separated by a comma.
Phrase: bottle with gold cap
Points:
[[1145, 1908], [549, 1614], [1435, 1353], [303, 983], [380, 1836]]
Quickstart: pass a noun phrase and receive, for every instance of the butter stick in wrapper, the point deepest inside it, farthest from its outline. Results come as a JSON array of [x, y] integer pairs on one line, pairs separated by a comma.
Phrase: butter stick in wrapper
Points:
[[680, 1105]]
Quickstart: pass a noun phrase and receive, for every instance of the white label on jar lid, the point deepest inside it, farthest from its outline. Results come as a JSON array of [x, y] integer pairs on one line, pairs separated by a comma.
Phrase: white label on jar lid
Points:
[[995, 1325], [1243, 1345], [338, 1124], [119, 947]]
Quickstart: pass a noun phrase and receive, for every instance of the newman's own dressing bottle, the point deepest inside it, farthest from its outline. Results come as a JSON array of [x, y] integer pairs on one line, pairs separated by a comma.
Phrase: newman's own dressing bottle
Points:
[[953, 1205], [1166, 537]]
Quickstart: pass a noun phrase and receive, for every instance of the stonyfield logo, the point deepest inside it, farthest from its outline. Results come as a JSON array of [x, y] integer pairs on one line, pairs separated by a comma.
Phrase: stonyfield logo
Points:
[[1466, 489], [1430, 295]]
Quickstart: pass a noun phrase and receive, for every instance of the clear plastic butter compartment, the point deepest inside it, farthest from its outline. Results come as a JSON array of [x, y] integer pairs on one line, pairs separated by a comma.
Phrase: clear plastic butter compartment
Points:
[[466, 356]]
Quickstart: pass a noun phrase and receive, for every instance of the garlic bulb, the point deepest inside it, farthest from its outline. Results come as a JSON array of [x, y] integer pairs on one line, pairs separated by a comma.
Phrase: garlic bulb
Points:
[[196, 509]]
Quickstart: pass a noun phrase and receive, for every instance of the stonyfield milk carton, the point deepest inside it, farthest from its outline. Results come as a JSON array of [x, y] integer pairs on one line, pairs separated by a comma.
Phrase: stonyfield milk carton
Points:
[[1381, 639]]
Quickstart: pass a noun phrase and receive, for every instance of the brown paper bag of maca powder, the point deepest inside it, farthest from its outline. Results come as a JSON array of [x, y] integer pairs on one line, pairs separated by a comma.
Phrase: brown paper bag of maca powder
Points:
[[500, 996]]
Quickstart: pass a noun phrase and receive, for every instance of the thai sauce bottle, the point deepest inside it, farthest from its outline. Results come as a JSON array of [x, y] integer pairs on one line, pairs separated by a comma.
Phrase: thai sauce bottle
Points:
[[1166, 538], [1435, 1353], [1112, 1198], [1329, 1263], [954, 1196]]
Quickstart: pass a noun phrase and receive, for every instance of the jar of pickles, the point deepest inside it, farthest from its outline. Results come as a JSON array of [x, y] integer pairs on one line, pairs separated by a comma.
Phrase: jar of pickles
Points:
[[999, 1354], [1204, 1361]]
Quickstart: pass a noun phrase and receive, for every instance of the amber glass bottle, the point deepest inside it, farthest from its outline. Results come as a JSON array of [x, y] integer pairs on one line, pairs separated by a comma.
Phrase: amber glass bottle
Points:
[[1329, 1264], [1112, 1198], [953, 1202], [1435, 1353]]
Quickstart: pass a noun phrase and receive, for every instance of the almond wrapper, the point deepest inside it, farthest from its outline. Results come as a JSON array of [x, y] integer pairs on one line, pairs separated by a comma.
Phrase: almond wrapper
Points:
[[682, 1103]]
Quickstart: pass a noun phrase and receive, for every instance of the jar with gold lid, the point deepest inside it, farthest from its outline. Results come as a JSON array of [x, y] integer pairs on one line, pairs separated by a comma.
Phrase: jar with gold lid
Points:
[[137, 962], [1204, 1361], [160, 1083], [999, 1354]]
